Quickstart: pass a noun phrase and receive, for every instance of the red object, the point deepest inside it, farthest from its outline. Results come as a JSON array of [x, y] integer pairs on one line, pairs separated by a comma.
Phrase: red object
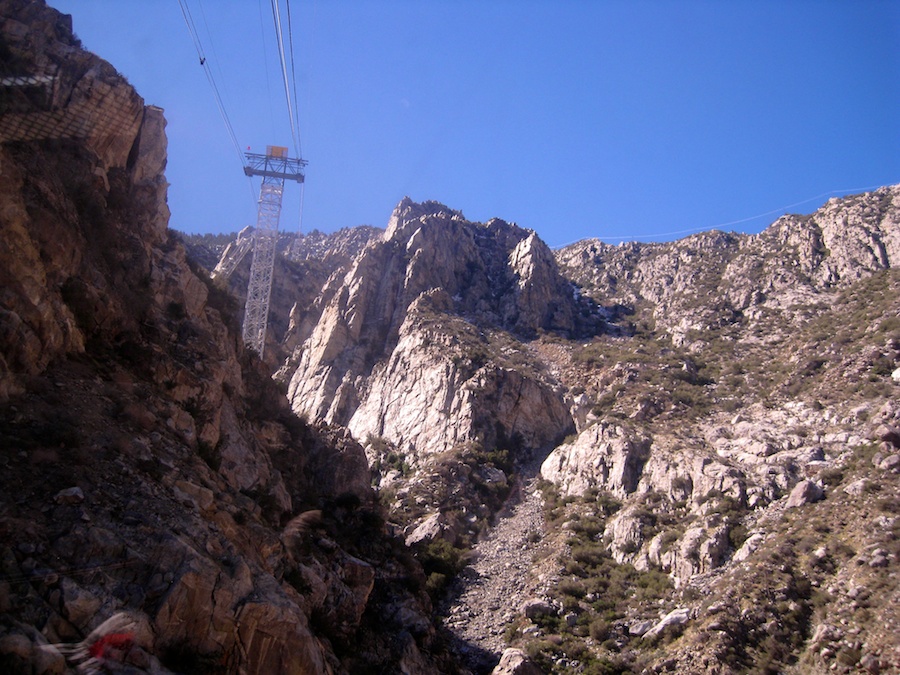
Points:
[[114, 645]]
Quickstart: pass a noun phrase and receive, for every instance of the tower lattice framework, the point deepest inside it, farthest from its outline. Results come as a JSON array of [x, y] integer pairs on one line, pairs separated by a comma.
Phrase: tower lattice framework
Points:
[[275, 167]]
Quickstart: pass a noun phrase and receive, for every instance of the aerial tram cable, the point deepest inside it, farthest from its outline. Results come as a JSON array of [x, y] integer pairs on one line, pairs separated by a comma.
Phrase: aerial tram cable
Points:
[[204, 63], [192, 29], [291, 51], [293, 76], [216, 63], [265, 54], [279, 39], [289, 78], [780, 210]]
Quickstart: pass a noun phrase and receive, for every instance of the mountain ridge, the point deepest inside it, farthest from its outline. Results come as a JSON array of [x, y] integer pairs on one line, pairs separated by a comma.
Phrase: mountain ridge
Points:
[[705, 390], [702, 435]]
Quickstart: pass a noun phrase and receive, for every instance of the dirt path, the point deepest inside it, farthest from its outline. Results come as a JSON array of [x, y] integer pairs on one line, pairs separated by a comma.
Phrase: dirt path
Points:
[[491, 589]]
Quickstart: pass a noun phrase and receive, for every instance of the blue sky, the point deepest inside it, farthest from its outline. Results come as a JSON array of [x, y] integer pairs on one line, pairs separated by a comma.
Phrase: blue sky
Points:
[[621, 120]]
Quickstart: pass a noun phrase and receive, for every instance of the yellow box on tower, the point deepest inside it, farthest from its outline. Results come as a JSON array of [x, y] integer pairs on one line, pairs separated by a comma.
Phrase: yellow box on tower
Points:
[[276, 151]]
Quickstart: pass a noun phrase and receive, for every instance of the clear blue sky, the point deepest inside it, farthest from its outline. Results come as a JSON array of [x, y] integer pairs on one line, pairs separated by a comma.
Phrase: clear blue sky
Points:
[[577, 119]]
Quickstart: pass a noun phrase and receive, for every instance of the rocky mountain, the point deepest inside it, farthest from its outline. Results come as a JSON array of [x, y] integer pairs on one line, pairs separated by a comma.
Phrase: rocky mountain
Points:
[[685, 392], [303, 267], [424, 305], [476, 454], [153, 475]]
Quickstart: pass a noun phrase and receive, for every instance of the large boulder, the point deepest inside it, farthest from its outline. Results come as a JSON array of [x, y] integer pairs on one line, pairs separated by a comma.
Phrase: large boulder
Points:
[[805, 492], [515, 662], [607, 456]]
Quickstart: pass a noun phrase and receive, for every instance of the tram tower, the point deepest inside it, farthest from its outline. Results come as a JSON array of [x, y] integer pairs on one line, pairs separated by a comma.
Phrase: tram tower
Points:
[[275, 167]]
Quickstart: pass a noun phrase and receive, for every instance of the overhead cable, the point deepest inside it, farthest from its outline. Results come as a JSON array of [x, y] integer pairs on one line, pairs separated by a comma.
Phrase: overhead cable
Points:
[[293, 74], [279, 39], [204, 63], [781, 210], [265, 54]]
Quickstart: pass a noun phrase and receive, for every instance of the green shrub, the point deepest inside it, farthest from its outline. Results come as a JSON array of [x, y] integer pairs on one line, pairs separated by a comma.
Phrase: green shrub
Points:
[[572, 588], [737, 535], [591, 555], [599, 629]]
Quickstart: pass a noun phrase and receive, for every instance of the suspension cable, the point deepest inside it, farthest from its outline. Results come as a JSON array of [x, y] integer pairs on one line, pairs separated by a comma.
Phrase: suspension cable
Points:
[[279, 38], [204, 63], [265, 54], [294, 79], [780, 210]]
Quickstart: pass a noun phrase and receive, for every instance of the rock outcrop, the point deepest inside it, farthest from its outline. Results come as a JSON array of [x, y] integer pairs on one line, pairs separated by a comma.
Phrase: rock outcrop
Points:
[[604, 456], [403, 350]]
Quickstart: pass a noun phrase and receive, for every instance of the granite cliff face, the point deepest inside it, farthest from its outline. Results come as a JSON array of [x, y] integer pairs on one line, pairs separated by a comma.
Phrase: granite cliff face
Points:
[[702, 385], [149, 464], [403, 349]]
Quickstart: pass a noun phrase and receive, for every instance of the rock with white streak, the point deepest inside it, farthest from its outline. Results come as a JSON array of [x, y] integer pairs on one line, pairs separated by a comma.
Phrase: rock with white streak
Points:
[[677, 617]]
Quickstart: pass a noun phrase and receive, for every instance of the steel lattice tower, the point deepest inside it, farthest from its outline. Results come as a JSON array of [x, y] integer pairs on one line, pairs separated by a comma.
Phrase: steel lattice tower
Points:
[[275, 168]]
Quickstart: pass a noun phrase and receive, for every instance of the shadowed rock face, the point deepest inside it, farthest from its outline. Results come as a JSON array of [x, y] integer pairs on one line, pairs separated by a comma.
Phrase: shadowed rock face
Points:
[[148, 461]]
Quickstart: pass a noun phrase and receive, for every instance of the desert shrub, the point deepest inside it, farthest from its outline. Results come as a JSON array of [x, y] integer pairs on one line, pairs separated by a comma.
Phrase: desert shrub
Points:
[[737, 535], [607, 504], [889, 504], [541, 652], [652, 584], [605, 666], [441, 562], [574, 568], [499, 458], [435, 584], [668, 538], [590, 555], [589, 526], [832, 477], [599, 629], [572, 588]]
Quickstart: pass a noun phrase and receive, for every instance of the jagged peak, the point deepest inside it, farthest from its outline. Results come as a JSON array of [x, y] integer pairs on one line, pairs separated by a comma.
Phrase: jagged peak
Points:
[[408, 211]]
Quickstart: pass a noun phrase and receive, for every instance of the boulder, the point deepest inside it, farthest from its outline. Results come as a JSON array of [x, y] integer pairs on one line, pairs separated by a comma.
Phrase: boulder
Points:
[[515, 662], [537, 607], [677, 617], [889, 435], [607, 456], [805, 492], [638, 628], [433, 527], [890, 463], [749, 547], [857, 487]]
